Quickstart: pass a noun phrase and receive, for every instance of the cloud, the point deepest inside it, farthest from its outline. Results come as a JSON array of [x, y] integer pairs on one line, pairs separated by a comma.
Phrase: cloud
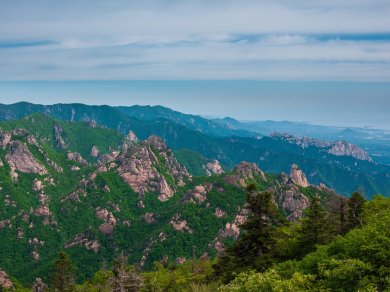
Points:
[[195, 39]]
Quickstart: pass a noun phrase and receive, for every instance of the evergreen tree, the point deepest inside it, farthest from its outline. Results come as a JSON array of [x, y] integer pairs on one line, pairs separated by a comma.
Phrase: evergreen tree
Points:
[[355, 210], [315, 227], [63, 274], [124, 278], [254, 249]]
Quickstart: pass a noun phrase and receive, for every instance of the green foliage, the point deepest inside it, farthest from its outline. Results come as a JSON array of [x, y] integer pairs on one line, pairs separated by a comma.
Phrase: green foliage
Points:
[[355, 210], [63, 274], [254, 249]]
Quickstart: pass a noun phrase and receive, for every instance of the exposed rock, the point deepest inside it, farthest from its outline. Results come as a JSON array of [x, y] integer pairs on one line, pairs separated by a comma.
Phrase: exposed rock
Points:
[[84, 240], [1, 163], [20, 158], [198, 195], [180, 260], [126, 223], [244, 171], [106, 228], [343, 148], [213, 168], [32, 141], [149, 218], [43, 211], [292, 201], [5, 281], [162, 236], [141, 205], [5, 138], [217, 245], [37, 185], [164, 190], [35, 255], [233, 229], [338, 148], [58, 137], [180, 224], [106, 216], [75, 168], [74, 156], [5, 223], [219, 213], [95, 151], [130, 139], [298, 177]]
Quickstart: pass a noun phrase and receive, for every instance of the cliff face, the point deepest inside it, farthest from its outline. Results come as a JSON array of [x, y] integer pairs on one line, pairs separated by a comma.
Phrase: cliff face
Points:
[[244, 172], [298, 177], [338, 148]]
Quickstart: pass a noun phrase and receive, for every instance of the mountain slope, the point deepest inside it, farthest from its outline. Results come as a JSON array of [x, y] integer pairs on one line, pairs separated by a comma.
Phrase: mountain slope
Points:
[[132, 196]]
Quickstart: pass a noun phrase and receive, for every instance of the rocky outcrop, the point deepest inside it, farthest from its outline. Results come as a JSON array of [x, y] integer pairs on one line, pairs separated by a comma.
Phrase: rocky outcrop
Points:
[[20, 158], [84, 240], [219, 213], [244, 171], [338, 148], [58, 137], [5, 281], [180, 224], [5, 138], [149, 218], [74, 156], [232, 229], [130, 139], [139, 168], [109, 220], [39, 285], [298, 177], [213, 168], [95, 151], [343, 148], [198, 194], [291, 200]]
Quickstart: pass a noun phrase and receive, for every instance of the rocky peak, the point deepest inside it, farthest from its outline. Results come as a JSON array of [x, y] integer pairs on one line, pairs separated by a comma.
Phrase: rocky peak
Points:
[[58, 137], [20, 158], [95, 151], [298, 177], [244, 171], [343, 148], [5, 138], [213, 168]]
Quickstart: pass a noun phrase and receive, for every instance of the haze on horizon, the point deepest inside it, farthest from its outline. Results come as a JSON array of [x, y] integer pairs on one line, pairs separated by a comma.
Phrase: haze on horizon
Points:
[[324, 62]]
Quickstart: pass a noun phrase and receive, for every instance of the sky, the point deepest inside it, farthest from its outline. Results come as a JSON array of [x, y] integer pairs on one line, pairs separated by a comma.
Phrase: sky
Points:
[[252, 59]]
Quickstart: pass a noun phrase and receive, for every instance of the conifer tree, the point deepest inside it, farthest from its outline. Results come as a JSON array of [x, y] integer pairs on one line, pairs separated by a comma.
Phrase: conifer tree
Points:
[[254, 249], [355, 210], [315, 227], [63, 274]]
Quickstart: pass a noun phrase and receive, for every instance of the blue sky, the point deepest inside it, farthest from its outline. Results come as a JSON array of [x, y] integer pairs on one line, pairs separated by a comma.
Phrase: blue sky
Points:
[[311, 43]]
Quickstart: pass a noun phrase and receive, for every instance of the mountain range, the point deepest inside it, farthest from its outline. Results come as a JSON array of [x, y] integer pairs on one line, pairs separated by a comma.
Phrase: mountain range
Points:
[[197, 141], [95, 192]]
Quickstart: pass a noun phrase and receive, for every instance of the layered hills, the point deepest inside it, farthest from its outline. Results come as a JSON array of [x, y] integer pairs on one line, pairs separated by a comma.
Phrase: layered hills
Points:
[[95, 193]]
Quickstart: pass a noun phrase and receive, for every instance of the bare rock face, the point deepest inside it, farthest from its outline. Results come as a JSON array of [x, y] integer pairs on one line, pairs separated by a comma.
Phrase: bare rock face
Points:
[[39, 285], [198, 194], [5, 138], [180, 260], [95, 151], [343, 148], [233, 229], [149, 218], [298, 177], [83, 240], [244, 171], [219, 213], [1, 163], [213, 168], [138, 167], [180, 224], [58, 137], [5, 281], [20, 158], [32, 140], [74, 156], [292, 201], [37, 185], [130, 139]]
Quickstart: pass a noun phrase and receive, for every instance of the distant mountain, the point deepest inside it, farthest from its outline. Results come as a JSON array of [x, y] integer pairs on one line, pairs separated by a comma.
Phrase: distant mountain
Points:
[[343, 173], [192, 122]]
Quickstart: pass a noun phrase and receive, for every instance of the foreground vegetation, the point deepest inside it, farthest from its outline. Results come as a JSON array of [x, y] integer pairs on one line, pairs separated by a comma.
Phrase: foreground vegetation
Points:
[[270, 255]]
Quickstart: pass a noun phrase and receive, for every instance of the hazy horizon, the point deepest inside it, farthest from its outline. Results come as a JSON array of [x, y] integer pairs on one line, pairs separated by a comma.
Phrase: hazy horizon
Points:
[[342, 104]]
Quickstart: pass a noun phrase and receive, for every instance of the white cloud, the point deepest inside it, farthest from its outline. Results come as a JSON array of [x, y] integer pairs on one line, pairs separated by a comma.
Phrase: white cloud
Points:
[[194, 39]]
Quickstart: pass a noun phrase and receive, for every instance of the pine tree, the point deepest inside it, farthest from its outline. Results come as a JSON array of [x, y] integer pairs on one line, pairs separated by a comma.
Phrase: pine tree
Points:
[[124, 278], [63, 274], [315, 227], [355, 210], [254, 249]]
